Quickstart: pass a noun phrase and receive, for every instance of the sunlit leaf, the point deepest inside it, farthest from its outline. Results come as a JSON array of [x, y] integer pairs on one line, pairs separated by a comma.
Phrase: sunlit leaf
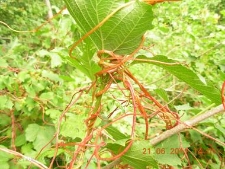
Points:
[[55, 60], [53, 113], [31, 132], [73, 126], [47, 96]]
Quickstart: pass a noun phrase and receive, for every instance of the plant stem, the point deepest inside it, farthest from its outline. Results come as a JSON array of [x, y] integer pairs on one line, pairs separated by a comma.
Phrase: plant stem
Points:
[[101, 83]]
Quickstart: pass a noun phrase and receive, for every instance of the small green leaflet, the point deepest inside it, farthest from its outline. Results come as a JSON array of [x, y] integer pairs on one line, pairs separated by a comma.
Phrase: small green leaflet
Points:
[[39, 135], [20, 140], [162, 93], [84, 60], [115, 133], [184, 74], [5, 103], [118, 137], [44, 136]]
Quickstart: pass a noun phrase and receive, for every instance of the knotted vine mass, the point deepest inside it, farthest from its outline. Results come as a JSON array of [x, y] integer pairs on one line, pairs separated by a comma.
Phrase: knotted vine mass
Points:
[[117, 31]]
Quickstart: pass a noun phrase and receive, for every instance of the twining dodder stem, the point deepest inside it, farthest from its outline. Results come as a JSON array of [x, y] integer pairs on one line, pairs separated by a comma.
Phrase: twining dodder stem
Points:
[[100, 85], [115, 70]]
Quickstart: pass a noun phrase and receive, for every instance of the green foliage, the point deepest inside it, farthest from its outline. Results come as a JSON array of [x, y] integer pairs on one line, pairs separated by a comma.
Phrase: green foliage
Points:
[[70, 130], [39, 135], [84, 61], [36, 83], [38, 78], [137, 157], [4, 158], [172, 148], [191, 32], [107, 37], [185, 75], [13, 12]]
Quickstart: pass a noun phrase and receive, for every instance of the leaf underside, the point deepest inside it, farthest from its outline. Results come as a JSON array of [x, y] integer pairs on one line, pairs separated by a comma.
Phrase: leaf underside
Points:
[[121, 33]]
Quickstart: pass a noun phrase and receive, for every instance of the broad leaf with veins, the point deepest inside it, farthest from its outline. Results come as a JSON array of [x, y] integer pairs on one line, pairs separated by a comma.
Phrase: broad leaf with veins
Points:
[[121, 33], [184, 74]]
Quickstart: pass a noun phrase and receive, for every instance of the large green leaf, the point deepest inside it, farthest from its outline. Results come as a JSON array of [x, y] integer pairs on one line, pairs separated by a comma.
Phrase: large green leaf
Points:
[[122, 32], [140, 156], [184, 74], [171, 148]]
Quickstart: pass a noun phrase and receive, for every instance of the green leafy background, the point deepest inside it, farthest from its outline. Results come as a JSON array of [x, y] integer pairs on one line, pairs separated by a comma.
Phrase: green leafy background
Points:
[[38, 78]]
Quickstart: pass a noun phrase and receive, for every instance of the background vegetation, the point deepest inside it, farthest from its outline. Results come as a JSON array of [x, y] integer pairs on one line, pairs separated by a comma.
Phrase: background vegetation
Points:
[[38, 80]]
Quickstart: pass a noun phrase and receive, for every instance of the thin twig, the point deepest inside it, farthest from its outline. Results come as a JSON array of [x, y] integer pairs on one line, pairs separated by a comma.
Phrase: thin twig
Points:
[[33, 161], [13, 134], [187, 124], [72, 102], [50, 13]]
